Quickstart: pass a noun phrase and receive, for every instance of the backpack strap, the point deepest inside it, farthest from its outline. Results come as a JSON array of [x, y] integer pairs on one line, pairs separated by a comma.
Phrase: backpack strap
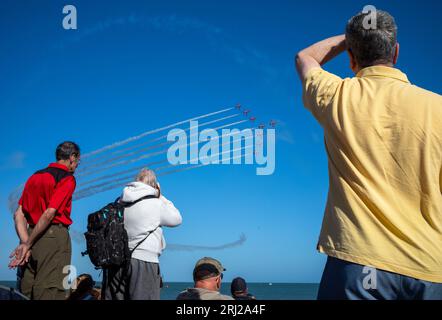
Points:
[[130, 204], [57, 173], [140, 242]]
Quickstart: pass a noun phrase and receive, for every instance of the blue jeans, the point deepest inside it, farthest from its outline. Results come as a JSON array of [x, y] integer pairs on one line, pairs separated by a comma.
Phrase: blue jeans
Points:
[[344, 280]]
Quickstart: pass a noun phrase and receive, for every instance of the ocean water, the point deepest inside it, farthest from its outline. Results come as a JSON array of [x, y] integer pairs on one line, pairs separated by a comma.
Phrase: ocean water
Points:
[[262, 291]]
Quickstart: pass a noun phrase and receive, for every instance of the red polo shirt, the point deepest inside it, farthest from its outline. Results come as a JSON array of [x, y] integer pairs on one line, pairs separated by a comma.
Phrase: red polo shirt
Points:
[[42, 192]]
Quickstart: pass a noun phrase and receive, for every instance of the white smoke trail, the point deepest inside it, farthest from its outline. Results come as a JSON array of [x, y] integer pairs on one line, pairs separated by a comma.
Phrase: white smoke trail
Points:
[[149, 155], [91, 191], [89, 169], [165, 136], [14, 197], [140, 167], [159, 168], [126, 178], [116, 174], [128, 140]]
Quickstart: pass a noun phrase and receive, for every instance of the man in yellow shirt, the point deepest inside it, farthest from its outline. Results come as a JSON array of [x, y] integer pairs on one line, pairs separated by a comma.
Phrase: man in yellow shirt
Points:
[[382, 227]]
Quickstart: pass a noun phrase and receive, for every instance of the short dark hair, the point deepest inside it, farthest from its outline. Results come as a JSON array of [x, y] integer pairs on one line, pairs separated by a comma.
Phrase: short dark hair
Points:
[[372, 46], [67, 149]]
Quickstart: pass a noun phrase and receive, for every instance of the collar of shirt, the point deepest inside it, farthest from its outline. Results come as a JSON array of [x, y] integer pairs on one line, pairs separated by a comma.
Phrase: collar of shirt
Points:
[[59, 166], [383, 71]]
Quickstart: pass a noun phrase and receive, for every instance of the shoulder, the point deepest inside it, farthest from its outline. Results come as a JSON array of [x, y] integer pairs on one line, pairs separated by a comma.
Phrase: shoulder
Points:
[[430, 95], [224, 297], [68, 179], [187, 294], [318, 73]]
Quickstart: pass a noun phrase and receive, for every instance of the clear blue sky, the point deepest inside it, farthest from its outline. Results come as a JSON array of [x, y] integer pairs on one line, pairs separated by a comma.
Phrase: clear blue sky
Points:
[[137, 65]]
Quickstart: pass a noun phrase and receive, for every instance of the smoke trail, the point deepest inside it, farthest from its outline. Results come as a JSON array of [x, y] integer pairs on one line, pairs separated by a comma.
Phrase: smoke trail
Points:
[[124, 178], [13, 198], [165, 136], [78, 237], [91, 191], [120, 163], [138, 167], [128, 140], [149, 155], [87, 170], [183, 247], [116, 174]]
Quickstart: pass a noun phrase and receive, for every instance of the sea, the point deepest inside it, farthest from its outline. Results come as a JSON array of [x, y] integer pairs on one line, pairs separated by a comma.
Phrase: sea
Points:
[[262, 291]]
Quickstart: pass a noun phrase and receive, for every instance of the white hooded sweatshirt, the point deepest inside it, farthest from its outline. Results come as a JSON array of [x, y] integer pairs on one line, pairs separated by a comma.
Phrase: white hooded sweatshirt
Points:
[[145, 216]]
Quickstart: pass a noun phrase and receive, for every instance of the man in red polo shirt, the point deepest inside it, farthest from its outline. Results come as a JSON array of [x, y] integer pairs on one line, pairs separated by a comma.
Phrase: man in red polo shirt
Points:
[[42, 221]]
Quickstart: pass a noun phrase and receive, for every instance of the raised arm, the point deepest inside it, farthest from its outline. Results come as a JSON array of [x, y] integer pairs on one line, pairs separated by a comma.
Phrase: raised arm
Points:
[[170, 216], [318, 54]]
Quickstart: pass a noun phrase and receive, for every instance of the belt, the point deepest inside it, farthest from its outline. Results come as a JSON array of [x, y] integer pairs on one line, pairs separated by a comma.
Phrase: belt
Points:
[[60, 225], [53, 224]]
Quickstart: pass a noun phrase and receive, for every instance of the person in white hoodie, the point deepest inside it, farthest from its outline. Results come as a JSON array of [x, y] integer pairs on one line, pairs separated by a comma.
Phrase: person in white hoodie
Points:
[[143, 222]]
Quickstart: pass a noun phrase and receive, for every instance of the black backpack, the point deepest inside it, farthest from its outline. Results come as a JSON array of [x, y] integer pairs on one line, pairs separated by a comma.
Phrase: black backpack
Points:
[[106, 238]]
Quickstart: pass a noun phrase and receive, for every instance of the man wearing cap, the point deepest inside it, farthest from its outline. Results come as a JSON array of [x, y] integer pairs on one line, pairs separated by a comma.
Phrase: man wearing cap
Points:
[[207, 275], [239, 290]]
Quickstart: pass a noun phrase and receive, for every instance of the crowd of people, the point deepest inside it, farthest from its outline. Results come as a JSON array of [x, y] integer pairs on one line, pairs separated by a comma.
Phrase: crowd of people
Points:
[[384, 209], [45, 247], [207, 275]]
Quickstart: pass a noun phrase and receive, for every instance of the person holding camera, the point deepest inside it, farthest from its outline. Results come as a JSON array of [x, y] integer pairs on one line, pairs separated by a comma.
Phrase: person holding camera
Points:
[[143, 221]]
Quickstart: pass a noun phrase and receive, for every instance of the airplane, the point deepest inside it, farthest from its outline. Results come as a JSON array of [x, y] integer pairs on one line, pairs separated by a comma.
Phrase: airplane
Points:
[[261, 126], [238, 106], [272, 123], [246, 112], [252, 118]]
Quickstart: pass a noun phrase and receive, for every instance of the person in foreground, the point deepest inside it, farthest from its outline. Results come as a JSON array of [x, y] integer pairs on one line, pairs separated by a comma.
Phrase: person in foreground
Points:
[[42, 221], [382, 227], [148, 212], [207, 275]]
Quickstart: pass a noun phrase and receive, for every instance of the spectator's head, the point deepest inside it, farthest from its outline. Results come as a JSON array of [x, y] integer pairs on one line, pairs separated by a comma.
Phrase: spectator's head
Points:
[[238, 287], [208, 274], [148, 177], [372, 40], [84, 285], [68, 154]]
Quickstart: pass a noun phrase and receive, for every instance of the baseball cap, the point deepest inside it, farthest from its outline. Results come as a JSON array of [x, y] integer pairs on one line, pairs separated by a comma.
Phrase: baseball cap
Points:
[[207, 268], [238, 285]]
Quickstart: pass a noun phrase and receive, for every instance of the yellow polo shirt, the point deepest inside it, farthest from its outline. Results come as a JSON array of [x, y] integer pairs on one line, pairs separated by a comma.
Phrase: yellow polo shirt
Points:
[[383, 138]]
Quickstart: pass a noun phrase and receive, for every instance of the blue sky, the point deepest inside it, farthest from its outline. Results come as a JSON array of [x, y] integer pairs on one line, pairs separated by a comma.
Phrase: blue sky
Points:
[[133, 66]]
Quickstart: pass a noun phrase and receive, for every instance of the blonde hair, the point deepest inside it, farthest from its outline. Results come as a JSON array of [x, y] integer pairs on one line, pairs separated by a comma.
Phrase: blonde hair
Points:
[[148, 177]]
